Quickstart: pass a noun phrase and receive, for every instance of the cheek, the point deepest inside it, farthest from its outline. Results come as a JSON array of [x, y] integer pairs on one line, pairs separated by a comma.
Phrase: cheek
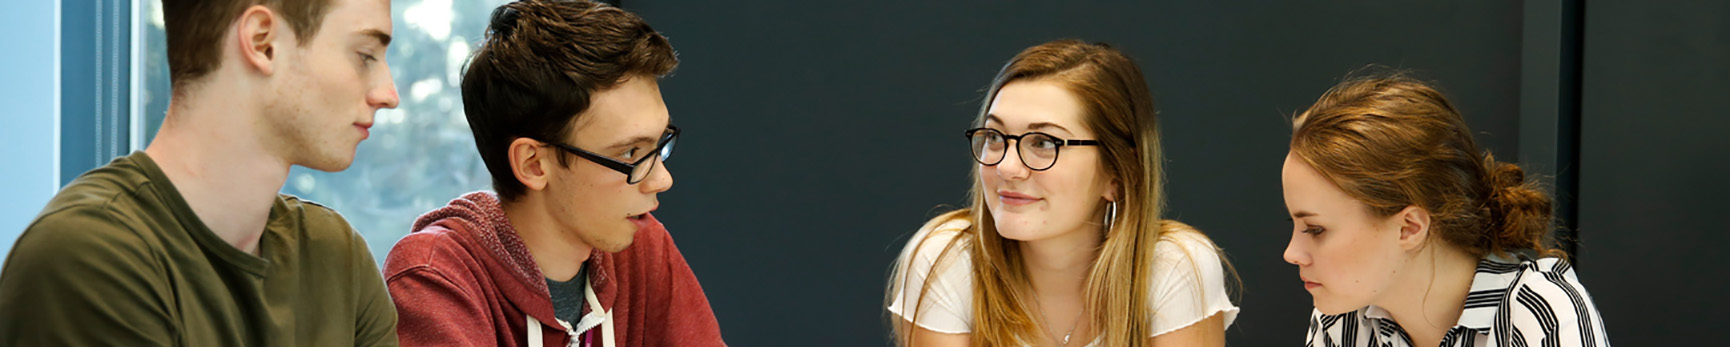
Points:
[[335, 74], [585, 191], [987, 175], [1070, 193], [989, 180], [1360, 265]]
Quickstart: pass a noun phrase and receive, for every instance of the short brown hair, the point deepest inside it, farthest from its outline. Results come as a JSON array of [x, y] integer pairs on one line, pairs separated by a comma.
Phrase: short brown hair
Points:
[[1392, 141], [539, 65], [195, 29]]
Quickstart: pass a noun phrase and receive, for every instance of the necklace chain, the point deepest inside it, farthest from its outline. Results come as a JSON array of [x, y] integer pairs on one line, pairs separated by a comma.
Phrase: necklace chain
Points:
[[1072, 326]]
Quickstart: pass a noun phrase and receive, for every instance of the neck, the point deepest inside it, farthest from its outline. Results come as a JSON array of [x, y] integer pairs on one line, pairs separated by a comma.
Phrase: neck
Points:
[[1059, 265], [1057, 268], [212, 157], [558, 252], [1438, 280]]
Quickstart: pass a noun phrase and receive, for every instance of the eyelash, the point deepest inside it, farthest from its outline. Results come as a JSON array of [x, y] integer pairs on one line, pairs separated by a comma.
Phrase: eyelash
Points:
[[1312, 230], [368, 58]]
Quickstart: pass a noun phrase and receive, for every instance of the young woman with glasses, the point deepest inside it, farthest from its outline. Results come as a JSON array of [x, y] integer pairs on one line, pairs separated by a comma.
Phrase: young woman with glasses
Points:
[[1062, 243]]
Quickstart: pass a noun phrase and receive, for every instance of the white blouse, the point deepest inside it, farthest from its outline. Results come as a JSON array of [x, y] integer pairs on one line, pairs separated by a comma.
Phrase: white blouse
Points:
[[1189, 284]]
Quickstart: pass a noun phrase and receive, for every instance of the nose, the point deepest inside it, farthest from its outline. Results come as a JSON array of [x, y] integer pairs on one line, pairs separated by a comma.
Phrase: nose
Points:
[[1011, 166], [383, 96], [1295, 253], [660, 177]]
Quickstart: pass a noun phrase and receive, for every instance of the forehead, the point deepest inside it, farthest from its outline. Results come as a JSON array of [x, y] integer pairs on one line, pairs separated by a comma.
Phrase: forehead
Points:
[[631, 108], [346, 19], [1025, 102], [1307, 188]]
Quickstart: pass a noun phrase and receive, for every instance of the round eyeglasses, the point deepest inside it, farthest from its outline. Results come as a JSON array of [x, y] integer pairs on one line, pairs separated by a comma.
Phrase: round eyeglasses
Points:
[[1038, 151]]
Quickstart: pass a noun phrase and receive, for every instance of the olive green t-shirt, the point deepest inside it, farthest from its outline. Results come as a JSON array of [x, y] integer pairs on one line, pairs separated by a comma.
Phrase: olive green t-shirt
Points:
[[118, 258]]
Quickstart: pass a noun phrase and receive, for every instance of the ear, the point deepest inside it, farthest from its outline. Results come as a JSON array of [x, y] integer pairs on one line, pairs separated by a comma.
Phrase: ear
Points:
[[1414, 223], [1111, 189], [529, 163], [257, 33]]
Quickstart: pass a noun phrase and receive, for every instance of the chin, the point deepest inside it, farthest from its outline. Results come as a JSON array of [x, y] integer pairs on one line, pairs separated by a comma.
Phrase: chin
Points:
[[330, 167], [618, 242], [329, 163], [1329, 308], [614, 247], [1019, 230]]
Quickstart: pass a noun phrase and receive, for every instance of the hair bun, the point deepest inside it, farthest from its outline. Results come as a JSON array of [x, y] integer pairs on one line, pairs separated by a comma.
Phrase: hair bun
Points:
[[1504, 175], [1518, 210]]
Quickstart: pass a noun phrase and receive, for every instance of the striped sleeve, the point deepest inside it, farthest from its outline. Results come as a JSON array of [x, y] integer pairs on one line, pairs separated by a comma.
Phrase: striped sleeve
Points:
[[1549, 307]]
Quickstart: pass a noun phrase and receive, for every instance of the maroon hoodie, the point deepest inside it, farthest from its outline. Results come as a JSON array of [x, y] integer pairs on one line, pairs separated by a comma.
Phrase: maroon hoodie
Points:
[[464, 278]]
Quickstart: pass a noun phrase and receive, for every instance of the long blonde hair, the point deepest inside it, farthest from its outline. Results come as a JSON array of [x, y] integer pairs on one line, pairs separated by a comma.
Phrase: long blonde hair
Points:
[[1120, 111]]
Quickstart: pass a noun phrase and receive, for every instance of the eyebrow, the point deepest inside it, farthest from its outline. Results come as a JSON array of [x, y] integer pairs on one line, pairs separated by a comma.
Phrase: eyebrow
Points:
[[383, 38], [1034, 126], [1303, 214], [632, 141]]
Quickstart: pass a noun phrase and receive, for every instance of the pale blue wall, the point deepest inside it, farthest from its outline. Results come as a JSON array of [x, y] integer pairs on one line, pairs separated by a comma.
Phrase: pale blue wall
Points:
[[28, 101]]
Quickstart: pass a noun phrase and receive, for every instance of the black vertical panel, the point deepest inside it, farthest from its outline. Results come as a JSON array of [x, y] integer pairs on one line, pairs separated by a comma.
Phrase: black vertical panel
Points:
[[1567, 180], [820, 134], [1654, 157], [1549, 135]]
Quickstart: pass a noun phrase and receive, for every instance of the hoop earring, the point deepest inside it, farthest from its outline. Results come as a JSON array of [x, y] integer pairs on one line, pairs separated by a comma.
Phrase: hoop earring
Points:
[[1110, 215]]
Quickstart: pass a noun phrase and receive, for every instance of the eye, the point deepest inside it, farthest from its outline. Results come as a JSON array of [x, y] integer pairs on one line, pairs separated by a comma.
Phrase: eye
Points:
[[631, 154], [993, 137], [1044, 142], [1314, 230], [368, 58]]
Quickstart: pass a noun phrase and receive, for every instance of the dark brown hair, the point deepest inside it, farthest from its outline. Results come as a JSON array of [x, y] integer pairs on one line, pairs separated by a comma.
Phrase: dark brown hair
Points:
[[540, 63], [1391, 141], [195, 29]]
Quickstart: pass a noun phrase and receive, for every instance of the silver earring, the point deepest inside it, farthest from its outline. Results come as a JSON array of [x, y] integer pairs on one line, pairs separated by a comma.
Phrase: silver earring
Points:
[[1110, 214]]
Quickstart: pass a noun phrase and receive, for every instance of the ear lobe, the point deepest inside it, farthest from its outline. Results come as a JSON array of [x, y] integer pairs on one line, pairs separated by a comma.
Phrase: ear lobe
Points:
[[528, 163], [257, 35], [1110, 191], [1414, 225]]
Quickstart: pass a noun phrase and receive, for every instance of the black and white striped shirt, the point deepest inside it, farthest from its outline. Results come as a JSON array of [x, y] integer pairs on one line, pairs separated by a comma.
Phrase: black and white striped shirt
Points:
[[1513, 302]]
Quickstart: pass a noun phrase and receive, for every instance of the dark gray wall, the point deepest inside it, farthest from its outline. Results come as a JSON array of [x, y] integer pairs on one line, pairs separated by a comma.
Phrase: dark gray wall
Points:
[[820, 135], [1653, 162]]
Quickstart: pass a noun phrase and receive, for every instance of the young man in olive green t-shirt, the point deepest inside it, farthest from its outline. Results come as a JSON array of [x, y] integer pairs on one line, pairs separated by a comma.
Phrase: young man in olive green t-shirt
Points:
[[188, 243]]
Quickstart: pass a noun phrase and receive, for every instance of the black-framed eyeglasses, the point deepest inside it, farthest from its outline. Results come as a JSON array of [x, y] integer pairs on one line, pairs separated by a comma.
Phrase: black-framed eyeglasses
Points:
[[634, 171], [1038, 151]]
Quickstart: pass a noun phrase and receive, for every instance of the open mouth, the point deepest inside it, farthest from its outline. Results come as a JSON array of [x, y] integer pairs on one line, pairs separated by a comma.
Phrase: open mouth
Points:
[[638, 216]]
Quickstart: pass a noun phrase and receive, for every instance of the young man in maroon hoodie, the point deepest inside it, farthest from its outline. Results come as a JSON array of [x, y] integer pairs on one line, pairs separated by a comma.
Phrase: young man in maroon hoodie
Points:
[[567, 115]]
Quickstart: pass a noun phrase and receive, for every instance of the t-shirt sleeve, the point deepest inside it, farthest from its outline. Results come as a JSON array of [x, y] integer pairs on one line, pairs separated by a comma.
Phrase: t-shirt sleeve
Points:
[[940, 289], [79, 278], [1189, 284], [375, 323]]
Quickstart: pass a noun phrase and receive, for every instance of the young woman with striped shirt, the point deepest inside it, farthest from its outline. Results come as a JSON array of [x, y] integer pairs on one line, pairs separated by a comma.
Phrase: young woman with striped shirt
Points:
[[1405, 233]]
